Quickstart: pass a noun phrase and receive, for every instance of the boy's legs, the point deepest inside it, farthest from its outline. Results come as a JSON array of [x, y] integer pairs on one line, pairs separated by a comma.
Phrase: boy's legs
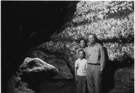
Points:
[[83, 84], [78, 89]]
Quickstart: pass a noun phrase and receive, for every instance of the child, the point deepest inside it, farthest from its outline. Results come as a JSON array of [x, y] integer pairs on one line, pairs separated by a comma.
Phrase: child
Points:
[[80, 72]]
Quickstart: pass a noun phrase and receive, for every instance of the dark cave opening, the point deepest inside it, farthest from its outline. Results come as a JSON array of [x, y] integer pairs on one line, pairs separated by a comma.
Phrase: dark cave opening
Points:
[[25, 25], [28, 24]]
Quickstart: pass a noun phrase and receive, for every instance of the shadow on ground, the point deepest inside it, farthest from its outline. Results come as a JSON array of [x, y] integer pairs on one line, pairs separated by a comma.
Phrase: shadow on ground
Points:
[[58, 86], [114, 81]]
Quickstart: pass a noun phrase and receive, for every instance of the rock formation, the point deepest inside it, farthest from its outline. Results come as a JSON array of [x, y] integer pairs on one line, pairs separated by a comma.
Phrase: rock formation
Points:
[[32, 70], [112, 22]]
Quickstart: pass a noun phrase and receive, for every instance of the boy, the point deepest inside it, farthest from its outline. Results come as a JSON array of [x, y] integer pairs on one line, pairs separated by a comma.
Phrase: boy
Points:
[[80, 72]]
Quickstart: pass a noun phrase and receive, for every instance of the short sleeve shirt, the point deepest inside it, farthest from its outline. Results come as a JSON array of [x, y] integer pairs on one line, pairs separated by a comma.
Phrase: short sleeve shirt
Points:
[[82, 66], [93, 53]]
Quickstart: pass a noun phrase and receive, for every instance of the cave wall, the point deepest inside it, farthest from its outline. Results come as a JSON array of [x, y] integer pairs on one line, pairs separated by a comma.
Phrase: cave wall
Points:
[[27, 24], [112, 22]]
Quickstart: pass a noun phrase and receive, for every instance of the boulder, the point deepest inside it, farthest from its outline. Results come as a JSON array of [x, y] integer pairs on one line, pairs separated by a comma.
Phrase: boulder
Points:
[[58, 59], [35, 65], [30, 74]]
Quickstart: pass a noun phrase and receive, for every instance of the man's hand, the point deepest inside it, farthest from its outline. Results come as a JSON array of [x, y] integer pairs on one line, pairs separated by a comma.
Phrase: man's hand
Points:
[[75, 79], [101, 72]]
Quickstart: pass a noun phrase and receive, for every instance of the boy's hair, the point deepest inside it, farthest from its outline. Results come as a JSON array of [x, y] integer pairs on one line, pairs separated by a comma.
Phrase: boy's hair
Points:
[[82, 51], [82, 39]]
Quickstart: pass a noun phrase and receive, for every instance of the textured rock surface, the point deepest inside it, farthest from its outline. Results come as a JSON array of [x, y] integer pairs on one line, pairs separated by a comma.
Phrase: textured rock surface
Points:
[[124, 80], [112, 22], [15, 85], [31, 71], [35, 65], [115, 29], [58, 59]]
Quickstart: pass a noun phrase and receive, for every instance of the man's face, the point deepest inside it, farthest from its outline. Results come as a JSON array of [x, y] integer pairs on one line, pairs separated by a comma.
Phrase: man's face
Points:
[[81, 54], [82, 43], [91, 39]]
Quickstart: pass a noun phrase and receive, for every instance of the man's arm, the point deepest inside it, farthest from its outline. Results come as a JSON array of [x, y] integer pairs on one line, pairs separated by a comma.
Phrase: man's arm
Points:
[[76, 67], [102, 58], [86, 56], [75, 73]]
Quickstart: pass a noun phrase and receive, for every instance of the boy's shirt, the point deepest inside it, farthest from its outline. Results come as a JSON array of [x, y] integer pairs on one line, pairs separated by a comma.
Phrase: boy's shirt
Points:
[[82, 66]]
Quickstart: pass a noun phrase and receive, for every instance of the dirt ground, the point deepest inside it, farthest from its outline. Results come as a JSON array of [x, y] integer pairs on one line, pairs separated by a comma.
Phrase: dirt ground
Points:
[[124, 83]]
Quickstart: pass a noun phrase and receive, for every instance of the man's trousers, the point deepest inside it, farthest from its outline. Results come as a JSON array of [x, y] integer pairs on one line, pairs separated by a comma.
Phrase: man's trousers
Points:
[[93, 77]]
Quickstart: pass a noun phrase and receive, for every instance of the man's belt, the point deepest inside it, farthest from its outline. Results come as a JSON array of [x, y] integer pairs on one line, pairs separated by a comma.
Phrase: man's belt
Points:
[[94, 63]]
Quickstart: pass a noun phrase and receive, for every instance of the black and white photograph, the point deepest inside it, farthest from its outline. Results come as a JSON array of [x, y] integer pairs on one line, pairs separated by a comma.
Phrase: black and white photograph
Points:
[[67, 46]]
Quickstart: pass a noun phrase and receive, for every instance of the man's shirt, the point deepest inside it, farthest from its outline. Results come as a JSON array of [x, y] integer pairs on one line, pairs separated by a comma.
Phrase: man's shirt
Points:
[[81, 64], [95, 54]]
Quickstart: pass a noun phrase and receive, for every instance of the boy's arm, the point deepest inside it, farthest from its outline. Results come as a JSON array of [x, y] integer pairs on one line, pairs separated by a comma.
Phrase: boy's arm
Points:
[[86, 64]]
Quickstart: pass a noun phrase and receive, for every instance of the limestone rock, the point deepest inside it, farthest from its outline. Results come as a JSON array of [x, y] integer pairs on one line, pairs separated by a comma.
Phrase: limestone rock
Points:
[[35, 65], [58, 59]]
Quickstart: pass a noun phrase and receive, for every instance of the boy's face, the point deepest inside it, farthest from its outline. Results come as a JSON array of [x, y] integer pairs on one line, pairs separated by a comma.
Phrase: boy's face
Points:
[[82, 43], [81, 54]]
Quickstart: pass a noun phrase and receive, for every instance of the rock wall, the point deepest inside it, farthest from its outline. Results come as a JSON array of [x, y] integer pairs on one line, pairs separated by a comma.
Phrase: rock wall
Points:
[[111, 21], [115, 28]]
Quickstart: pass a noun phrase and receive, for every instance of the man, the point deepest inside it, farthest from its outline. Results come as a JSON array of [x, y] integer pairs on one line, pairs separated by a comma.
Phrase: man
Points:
[[80, 72], [95, 59]]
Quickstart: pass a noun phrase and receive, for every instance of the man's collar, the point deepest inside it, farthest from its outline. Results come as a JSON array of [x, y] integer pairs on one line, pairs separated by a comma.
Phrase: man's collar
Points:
[[91, 45]]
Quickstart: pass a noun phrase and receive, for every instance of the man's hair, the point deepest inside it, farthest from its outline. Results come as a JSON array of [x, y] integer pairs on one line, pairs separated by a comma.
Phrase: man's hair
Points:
[[95, 37]]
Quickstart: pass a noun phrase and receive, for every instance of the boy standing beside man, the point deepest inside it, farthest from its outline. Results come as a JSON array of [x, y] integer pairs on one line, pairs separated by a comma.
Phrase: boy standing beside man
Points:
[[91, 68], [80, 72]]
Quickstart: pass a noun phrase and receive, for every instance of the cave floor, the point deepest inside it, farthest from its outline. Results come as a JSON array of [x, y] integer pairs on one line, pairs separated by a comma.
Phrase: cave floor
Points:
[[124, 83], [70, 87], [67, 87]]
